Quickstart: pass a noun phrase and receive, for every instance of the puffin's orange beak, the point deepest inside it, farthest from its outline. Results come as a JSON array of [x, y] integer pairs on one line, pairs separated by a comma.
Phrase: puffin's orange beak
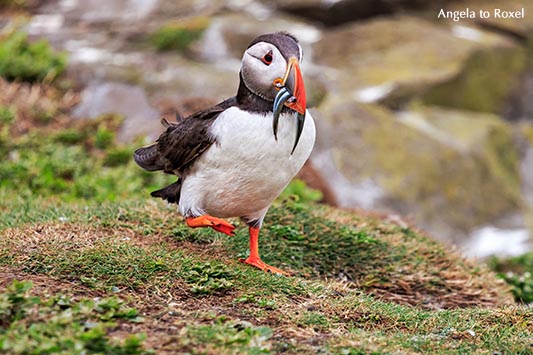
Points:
[[294, 82], [292, 95]]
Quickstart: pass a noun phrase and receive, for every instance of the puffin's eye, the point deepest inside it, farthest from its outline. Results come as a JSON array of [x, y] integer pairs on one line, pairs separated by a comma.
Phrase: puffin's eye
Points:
[[267, 58]]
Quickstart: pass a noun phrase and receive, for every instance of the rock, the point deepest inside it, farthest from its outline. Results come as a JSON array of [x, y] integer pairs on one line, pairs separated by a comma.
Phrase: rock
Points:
[[485, 83], [186, 8], [519, 28], [332, 13], [104, 10], [184, 78], [450, 170], [129, 101], [392, 60], [518, 106], [225, 40], [170, 106], [489, 241], [526, 172], [526, 169], [323, 172]]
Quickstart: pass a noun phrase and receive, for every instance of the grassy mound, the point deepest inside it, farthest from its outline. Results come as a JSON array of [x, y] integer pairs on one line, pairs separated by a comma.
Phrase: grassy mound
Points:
[[195, 297]]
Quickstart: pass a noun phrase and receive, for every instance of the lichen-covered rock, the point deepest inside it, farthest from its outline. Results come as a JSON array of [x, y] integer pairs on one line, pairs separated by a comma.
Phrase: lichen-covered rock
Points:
[[485, 82], [223, 39], [333, 13], [497, 20], [128, 101], [392, 60], [519, 105], [103, 10], [450, 170]]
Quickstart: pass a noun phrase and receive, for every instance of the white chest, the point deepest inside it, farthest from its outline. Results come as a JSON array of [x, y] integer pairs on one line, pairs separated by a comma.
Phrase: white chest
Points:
[[247, 168]]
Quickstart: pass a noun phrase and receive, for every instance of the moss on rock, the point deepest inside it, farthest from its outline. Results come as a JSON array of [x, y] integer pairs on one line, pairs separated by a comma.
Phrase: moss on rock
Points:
[[485, 82], [405, 57], [417, 159], [179, 35]]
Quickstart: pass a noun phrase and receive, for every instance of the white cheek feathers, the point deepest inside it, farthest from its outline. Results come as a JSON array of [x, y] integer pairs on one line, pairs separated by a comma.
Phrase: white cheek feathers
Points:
[[258, 76]]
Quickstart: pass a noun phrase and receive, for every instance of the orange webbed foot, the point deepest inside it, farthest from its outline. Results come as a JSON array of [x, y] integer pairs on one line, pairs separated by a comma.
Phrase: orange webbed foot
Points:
[[260, 264], [217, 224]]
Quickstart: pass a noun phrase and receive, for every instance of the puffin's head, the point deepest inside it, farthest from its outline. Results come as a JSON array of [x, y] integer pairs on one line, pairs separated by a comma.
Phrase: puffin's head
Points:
[[271, 70]]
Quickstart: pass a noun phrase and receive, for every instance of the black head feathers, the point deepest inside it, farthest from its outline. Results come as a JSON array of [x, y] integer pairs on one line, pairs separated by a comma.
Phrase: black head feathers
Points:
[[284, 41]]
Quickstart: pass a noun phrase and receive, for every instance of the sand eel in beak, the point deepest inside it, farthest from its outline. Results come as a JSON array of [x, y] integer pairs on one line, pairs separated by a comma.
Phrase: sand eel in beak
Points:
[[235, 158]]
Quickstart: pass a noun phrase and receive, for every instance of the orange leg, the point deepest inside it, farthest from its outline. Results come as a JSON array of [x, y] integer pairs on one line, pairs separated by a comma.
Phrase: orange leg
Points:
[[254, 258], [217, 224]]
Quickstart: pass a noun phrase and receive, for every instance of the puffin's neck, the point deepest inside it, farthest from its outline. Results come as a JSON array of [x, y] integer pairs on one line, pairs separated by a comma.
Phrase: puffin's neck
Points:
[[248, 101]]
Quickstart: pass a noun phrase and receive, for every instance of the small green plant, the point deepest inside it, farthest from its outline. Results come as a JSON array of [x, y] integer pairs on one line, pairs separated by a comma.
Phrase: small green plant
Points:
[[230, 337], [355, 351], [118, 156], [14, 303], [178, 35], [209, 278], [104, 138], [517, 272], [315, 320], [522, 286], [259, 301], [7, 115], [26, 61], [69, 136], [303, 192], [31, 325]]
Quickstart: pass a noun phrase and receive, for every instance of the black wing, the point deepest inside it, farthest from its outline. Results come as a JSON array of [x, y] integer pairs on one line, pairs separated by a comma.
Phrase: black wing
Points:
[[179, 146]]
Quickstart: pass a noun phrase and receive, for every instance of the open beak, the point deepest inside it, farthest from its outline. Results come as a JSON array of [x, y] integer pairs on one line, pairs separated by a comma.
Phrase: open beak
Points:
[[292, 95]]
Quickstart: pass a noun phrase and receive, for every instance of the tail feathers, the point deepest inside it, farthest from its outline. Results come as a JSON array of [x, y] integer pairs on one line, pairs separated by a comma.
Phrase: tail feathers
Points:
[[171, 193], [146, 157]]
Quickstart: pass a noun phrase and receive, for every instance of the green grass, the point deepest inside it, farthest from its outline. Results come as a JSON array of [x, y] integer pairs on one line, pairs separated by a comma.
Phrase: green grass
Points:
[[143, 251], [76, 219], [57, 324], [25, 61], [229, 336], [77, 163], [107, 248]]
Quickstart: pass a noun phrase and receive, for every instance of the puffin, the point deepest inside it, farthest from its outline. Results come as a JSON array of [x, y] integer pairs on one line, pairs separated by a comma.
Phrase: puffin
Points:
[[235, 158]]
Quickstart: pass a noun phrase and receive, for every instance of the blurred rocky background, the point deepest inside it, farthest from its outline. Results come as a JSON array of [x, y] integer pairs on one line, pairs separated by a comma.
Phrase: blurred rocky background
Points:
[[420, 118]]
